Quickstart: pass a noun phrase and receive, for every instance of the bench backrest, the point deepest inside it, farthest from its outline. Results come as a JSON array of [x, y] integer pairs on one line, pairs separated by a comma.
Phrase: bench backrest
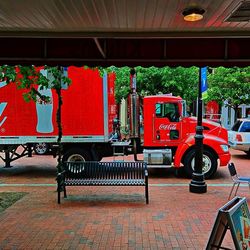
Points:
[[105, 170]]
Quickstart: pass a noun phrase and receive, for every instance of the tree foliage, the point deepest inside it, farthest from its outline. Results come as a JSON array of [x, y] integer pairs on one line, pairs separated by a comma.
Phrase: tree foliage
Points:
[[231, 84], [181, 82], [152, 81], [30, 77], [122, 83]]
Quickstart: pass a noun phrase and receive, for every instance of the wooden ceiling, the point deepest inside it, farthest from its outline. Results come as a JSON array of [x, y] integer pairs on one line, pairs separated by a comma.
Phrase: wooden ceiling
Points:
[[124, 32]]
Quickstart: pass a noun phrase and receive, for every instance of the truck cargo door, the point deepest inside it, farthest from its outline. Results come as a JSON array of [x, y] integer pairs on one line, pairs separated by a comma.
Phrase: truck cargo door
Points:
[[166, 124]]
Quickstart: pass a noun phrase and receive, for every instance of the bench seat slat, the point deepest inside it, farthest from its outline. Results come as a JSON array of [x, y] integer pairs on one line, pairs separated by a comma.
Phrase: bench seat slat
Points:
[[110, 182]]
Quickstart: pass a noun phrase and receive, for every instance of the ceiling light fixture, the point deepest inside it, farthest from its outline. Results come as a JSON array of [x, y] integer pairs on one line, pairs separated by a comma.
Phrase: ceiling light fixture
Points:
[[193, 14]]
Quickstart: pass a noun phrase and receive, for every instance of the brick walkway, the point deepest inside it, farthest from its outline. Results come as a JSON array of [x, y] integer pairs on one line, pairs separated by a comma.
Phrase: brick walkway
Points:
[[109, 217]]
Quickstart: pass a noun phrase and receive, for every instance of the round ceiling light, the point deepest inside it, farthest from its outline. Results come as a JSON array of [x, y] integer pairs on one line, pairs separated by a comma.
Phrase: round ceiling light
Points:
[[193, 14]]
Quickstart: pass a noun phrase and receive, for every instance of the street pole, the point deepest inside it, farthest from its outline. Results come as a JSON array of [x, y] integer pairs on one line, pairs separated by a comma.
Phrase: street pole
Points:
[[197, 184]]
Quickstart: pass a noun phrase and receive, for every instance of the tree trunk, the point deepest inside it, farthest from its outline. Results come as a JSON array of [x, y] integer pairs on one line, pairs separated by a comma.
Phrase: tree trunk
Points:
[[59, 125], [235, 113]]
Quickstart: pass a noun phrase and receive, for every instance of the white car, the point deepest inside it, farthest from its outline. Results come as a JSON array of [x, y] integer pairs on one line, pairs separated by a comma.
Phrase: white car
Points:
[[239, 136]]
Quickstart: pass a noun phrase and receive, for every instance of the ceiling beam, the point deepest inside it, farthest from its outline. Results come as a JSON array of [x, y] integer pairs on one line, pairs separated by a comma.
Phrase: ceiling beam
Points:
[[129, 35], [124, 61], [144, 52]]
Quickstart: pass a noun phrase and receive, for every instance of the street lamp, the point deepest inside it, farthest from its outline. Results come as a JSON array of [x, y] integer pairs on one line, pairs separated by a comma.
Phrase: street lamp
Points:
[[197, 184]]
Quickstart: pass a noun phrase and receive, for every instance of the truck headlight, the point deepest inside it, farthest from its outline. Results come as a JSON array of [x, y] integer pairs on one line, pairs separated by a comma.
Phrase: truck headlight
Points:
[[225, 148]]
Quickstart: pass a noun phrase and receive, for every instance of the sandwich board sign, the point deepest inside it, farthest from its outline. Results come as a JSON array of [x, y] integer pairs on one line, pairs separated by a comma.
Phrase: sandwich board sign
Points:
[[234, 216]]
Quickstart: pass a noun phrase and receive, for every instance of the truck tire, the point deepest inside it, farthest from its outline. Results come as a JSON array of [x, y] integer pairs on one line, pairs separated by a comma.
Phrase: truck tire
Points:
[[248, 153], [76, 154], [41, 148], [209, 163]]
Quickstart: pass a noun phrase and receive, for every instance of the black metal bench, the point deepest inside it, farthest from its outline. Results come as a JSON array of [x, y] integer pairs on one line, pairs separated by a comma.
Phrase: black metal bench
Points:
[[102, 174]]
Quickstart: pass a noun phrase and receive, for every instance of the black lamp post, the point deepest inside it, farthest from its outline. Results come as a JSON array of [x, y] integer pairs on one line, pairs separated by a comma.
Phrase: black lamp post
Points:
[[197, 184]]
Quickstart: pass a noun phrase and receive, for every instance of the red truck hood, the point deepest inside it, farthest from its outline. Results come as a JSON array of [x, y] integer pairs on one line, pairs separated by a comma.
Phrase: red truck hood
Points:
[[210, 127]]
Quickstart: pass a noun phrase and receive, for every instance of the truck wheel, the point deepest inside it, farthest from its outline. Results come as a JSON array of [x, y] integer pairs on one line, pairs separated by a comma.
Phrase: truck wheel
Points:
[[41, 148], [77, 154], [248, 153], [209, 166]]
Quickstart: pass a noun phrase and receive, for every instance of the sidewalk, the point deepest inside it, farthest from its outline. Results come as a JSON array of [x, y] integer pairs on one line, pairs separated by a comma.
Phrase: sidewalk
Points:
[[110, 217]]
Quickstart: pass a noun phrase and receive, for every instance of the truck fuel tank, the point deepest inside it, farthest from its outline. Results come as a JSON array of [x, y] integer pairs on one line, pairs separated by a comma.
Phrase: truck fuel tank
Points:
[[157, 156]]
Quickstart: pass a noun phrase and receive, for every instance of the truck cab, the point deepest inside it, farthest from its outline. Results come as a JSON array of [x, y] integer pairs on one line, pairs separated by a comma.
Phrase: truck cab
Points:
[[169, 136], [162, 120]]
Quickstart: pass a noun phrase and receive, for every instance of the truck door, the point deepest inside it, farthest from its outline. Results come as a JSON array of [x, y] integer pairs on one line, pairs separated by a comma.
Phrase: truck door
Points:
[[166, 123]]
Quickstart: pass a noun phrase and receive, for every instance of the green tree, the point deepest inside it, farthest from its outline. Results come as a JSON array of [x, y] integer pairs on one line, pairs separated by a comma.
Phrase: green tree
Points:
[[151, 81], [122, 83], [231, 84], [181, 82], [29, 78]]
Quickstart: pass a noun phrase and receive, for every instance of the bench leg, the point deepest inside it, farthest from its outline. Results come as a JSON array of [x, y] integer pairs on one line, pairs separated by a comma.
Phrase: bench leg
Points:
[[58, 196], [64, 191], [146, 193], [146, 189]]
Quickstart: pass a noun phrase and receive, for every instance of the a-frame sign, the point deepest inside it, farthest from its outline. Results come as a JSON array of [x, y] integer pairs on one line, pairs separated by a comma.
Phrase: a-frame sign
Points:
[[234, 216]]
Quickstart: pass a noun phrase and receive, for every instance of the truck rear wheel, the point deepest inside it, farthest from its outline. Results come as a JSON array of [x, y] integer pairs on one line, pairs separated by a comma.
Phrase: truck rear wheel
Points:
[[77, 154], [209, 165], [41, 148], [248, 153]]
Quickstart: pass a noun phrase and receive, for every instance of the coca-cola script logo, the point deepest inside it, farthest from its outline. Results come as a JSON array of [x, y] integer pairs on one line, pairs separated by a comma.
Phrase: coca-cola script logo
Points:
[[167, 127]]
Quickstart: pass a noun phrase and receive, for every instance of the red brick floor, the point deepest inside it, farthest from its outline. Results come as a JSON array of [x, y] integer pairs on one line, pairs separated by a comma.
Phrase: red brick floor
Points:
[[109, 217]]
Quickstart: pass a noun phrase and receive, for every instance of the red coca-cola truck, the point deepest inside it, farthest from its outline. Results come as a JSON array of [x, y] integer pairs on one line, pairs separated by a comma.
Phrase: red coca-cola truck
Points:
[[169, 136], [88, 112]]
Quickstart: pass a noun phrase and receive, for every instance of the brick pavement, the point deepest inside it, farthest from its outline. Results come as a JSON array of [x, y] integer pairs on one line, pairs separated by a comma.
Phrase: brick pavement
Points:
[[109, 217]]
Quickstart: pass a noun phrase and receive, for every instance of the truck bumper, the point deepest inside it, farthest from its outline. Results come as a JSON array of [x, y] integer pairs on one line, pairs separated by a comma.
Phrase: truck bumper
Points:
[[224, 159]]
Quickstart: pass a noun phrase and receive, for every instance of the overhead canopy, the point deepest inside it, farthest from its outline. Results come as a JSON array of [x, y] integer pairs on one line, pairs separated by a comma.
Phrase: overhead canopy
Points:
[[124, 32]]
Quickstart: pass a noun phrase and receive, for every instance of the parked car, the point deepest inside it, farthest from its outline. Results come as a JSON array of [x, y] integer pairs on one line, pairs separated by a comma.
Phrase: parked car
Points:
[[41, 148], [239, 136]]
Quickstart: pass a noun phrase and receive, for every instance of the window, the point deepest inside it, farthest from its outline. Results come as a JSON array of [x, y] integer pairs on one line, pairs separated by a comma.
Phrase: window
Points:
[[184, 108], [174, 135], [158, 110], [236, 126], [167, 110], [248, 112], [245, 127]]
